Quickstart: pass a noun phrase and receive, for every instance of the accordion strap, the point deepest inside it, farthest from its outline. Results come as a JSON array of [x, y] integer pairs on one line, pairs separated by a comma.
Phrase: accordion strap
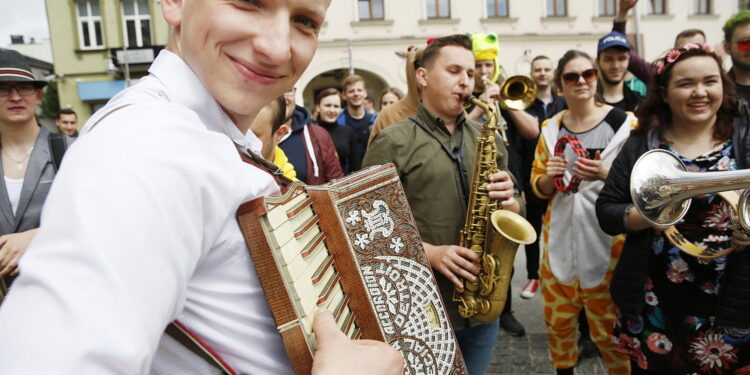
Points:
[[3, 290], [256, 160], [190, 341], [176, 329]]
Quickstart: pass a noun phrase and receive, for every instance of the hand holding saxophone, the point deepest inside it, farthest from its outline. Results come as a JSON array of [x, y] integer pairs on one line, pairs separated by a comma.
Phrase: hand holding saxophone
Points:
[[591, 169], [454, 262], [500, 187]]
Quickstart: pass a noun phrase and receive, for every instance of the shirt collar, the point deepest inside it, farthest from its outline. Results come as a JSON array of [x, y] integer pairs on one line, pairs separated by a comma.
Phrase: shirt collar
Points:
[[184, 87], [434, 122]]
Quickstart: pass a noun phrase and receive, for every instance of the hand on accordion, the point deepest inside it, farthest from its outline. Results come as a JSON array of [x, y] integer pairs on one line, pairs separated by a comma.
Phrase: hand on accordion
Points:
[[337, 354]]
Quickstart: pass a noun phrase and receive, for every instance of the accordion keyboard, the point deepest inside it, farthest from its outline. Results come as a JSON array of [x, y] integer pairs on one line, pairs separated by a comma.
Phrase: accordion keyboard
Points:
[[306, 261]]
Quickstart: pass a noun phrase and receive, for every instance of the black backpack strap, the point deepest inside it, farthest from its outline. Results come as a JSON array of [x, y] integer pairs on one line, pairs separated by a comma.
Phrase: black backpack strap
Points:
[[615, 118], [57, 146]]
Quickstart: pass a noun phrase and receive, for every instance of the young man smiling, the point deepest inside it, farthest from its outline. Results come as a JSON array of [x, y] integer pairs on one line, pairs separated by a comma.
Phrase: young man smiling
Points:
[[356, 115], [612, 60], [141, 228]]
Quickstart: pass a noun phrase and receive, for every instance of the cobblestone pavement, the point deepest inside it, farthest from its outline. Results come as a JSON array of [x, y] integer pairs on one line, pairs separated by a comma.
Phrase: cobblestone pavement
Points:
[[527, 355]]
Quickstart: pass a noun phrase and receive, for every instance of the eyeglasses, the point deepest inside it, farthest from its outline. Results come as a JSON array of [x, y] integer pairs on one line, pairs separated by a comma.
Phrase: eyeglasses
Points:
[[24, 89], [743, 45], [572, 79]]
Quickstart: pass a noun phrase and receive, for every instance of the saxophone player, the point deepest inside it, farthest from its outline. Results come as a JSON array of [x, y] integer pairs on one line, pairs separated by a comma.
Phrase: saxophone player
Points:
[[434, 154], [518, 125]]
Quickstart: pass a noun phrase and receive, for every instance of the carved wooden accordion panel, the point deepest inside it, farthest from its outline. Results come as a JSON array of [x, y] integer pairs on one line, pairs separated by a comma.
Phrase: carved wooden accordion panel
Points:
[[352, 247]]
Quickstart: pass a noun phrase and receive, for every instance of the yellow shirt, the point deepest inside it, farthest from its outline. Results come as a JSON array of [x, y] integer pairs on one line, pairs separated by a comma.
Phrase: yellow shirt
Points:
[[280, 159]]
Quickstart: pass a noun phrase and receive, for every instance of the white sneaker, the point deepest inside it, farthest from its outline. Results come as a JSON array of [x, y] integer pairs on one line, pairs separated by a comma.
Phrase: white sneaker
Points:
[[530, 289]]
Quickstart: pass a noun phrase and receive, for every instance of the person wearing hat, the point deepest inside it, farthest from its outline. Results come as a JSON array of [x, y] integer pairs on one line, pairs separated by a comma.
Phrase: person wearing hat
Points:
[[612, 59], [27, 163]]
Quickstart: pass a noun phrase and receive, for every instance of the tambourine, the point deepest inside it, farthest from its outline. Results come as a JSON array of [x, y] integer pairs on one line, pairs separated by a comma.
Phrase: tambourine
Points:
[[682, 243], [575, 145]]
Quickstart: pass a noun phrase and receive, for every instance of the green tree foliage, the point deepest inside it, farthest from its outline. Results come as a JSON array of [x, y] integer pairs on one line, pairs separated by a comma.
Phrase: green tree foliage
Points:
[[50, 101]]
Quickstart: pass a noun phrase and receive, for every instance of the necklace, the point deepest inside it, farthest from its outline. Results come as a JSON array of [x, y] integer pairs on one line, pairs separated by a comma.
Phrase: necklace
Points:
[[19, 163]]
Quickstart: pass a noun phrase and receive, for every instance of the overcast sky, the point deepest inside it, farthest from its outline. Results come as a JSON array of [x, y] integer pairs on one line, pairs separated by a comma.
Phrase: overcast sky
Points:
[[24, 17]]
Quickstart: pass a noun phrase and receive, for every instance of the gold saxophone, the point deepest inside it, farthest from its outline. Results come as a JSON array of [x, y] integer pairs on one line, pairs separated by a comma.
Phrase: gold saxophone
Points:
[[491, 232]]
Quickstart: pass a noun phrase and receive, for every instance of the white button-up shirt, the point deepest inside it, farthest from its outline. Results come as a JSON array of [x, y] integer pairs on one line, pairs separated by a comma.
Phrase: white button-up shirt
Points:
[[139, 229]]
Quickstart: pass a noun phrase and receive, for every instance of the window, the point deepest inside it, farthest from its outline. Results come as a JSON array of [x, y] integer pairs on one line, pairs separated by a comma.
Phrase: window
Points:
[[497, 8], [606, 8], [370, 9], [702, 6], [743, 4], [137, 23], [557, 8], [657, 7], [89, 24], [438, 9]]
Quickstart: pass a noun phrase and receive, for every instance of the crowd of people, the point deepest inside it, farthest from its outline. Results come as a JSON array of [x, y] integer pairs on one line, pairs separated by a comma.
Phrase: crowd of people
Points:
[[138, 229]]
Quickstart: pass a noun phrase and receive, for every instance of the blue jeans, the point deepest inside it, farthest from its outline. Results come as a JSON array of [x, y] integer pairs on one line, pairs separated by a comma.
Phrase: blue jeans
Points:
[[476, 345]]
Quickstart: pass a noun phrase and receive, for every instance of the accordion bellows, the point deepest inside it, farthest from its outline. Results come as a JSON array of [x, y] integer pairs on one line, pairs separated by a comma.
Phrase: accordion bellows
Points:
[[350, 246]]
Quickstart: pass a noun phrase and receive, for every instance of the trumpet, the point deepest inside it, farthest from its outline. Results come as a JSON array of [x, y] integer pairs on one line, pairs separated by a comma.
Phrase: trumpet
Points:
[[662, 189], [516, 92]]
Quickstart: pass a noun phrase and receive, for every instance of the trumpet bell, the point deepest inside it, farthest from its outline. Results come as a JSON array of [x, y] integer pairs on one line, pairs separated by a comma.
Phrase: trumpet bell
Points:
[[518, 92], [661, 187], [653, 190]]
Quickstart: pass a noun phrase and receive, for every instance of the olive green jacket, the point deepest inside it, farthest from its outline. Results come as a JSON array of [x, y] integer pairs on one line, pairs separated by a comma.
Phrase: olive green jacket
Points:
[[432, 181]]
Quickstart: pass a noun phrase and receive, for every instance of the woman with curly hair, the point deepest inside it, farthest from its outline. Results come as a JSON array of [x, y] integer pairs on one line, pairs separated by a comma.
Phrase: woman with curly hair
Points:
[[678, 313]]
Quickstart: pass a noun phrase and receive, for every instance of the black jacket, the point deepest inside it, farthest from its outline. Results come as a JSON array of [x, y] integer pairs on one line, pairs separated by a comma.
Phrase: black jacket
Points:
[[629, 279]]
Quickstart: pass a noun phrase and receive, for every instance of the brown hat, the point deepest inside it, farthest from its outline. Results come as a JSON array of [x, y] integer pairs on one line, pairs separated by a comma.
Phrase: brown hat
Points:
[[14, 68]]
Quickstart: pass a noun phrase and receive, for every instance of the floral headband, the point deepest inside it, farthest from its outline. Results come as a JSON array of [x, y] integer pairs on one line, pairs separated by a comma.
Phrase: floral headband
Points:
[[674, 54]]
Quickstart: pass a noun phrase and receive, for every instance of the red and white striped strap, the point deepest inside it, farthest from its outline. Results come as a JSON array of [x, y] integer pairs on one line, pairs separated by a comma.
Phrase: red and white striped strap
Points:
[[192, 342]]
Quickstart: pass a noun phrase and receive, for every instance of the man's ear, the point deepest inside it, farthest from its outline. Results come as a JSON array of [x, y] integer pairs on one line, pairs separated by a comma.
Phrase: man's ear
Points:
[[421, 74], [280, 133], [726, 47], [172, 10]]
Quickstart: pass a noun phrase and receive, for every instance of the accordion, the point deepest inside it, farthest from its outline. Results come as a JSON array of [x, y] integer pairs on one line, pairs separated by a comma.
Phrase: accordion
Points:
[[350, 246]]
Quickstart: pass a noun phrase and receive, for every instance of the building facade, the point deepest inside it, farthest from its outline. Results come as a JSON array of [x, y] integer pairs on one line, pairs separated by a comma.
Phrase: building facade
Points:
[[366, 33], [100, 45]]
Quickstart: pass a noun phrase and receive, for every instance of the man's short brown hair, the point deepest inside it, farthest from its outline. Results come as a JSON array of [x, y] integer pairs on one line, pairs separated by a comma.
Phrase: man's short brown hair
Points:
[[433, 49], [352, 79], [687, 34]]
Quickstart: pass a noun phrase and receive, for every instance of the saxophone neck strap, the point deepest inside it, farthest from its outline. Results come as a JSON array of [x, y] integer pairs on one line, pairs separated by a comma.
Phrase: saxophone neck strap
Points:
[[456, 153], [575, 145]]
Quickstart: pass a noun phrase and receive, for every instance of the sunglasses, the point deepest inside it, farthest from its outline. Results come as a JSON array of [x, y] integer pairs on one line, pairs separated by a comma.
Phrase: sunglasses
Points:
[[572, 79], [743, 45]]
